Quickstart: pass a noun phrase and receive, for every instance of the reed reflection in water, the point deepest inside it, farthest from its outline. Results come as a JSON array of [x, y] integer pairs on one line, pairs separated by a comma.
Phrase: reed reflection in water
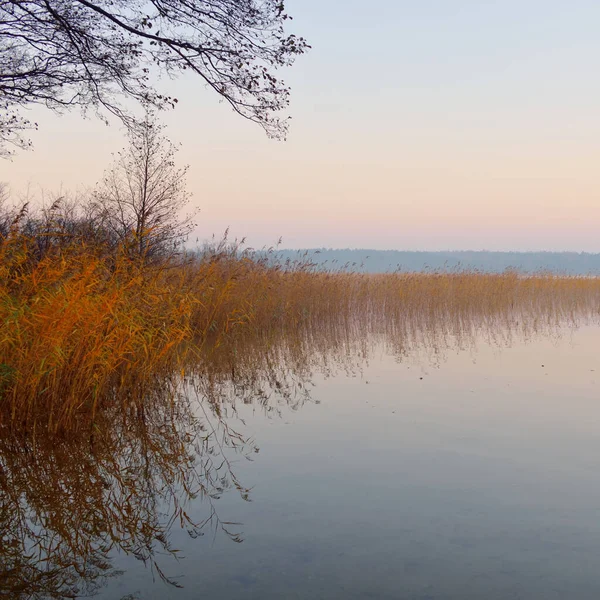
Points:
[[68, 503]]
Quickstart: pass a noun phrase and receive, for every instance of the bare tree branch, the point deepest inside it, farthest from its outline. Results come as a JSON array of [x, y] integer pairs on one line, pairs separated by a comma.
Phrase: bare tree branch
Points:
[[96, 53], [143, 195]]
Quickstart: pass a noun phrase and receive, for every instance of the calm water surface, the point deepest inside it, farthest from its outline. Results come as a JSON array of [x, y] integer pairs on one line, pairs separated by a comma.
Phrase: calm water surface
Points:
[[472, 473]]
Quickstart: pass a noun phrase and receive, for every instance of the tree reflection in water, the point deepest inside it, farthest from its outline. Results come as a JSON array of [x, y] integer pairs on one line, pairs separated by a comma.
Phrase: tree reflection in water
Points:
[[66, 504]]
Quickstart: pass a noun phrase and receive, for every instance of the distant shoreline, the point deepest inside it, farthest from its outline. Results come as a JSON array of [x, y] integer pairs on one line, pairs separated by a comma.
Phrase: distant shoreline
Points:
[[382, 261]]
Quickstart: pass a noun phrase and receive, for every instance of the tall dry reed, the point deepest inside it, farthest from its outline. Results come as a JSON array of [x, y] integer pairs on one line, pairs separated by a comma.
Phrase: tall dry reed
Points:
[[83, 331]]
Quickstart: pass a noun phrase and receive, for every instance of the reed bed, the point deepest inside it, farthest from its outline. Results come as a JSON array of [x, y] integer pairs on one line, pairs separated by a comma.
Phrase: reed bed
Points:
[[83, 331]]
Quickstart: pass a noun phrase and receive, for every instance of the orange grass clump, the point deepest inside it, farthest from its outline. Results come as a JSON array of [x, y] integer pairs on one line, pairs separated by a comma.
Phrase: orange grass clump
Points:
[[82, 330]]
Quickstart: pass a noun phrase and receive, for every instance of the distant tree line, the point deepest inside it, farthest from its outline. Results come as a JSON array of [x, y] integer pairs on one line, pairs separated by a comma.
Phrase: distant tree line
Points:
[[381, 261]]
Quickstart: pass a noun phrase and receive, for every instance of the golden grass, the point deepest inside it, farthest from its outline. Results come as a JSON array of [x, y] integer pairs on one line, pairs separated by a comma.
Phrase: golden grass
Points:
[[82, 332]]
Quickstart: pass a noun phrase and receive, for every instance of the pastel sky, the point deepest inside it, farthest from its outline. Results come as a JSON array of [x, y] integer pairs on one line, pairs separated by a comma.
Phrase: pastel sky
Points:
[[429, 124]]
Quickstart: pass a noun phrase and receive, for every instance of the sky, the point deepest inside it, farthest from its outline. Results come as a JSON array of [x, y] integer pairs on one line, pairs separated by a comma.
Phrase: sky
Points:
[[429, 125]]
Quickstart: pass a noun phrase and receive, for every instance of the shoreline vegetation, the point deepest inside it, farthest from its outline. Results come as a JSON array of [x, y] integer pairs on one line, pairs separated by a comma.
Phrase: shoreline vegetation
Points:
[[87, 326]]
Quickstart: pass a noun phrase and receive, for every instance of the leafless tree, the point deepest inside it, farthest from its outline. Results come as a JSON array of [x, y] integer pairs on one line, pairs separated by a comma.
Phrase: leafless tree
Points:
[[6, 212], [143, 195], [96, 53]]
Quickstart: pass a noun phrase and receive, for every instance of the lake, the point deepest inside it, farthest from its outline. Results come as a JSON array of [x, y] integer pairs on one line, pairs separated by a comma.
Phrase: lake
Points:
[[460, 469], [469, 471]]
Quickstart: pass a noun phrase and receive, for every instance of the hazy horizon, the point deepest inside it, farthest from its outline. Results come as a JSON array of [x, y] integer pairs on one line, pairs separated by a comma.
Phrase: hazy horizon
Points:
[[382, 261], [426, 250]]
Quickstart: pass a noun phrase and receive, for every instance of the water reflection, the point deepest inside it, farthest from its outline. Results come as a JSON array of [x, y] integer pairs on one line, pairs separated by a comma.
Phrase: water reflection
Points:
[[67, 504]]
